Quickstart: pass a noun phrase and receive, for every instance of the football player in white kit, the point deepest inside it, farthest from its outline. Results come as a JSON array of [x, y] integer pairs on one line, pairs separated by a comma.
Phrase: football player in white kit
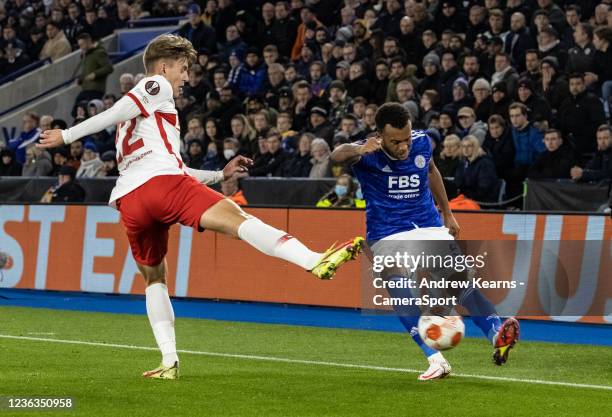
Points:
[[156, 190]]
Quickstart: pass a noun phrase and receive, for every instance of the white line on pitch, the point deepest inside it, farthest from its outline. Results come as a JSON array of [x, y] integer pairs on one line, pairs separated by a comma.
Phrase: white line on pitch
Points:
[[309, 362]]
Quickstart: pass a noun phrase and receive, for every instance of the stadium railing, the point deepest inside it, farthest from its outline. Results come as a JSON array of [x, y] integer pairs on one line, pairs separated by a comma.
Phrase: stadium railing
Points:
[[155, 21], [30, 67], [31, 85], [541, 196]]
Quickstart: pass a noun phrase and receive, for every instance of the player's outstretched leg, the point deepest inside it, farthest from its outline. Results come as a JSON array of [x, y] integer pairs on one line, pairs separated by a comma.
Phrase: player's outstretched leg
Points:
[[227, 217], [503, 336], [409, 317], [161, 317]]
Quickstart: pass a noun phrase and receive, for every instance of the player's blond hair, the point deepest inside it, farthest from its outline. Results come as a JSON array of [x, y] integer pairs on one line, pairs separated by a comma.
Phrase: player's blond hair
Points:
[[168, 46]]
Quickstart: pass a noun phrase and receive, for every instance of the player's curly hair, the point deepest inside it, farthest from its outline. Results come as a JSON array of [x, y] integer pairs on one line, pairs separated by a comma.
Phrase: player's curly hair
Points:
[[393, 114], [168, 46]]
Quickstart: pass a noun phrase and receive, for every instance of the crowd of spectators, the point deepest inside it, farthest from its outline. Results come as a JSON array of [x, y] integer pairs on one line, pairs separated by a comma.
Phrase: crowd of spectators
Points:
[[34, 30], [506, 89]]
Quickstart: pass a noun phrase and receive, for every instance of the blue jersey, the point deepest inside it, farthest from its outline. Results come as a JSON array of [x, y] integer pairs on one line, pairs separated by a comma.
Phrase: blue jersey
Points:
[[397, 194]]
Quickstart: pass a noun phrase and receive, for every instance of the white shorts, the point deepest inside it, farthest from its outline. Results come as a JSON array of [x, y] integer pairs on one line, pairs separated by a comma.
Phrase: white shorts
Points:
[[423, 233], [416, 241]]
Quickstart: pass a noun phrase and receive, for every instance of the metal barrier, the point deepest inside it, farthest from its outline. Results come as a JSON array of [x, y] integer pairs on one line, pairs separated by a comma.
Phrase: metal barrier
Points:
[[542, 196], [24, 70], [155, 21], [568, 195]]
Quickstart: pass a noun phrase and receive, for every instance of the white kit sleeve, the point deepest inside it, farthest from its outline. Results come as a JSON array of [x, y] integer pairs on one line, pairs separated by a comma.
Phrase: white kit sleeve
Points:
[[122, 110], [206, 177]]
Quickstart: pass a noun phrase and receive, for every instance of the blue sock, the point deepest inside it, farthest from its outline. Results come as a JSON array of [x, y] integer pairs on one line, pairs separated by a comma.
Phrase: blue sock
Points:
[[482, 312], [409, 316], [411, 323]]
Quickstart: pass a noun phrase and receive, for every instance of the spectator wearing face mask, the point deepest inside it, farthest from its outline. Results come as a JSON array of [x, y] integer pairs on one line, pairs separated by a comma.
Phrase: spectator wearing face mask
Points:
[[341, 196], [231, 147]]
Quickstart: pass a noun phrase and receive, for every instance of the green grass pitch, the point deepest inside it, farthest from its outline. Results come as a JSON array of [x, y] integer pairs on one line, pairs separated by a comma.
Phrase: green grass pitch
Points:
[[105, 380]]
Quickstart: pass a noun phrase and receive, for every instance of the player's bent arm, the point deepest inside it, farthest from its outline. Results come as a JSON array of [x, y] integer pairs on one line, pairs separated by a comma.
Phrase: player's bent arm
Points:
[[206, 177], [347, 153], [123, 110]]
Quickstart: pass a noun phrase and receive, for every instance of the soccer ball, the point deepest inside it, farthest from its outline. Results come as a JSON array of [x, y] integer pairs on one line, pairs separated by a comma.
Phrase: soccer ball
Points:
[[441, 332]]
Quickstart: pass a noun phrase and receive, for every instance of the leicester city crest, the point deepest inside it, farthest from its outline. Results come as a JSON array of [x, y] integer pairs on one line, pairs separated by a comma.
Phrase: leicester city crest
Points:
[[419, 161]]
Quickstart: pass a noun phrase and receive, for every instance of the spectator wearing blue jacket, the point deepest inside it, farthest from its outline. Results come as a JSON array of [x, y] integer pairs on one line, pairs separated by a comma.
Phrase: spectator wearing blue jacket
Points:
[[528, 140], [29, 134], [528, 145], [252, 74]]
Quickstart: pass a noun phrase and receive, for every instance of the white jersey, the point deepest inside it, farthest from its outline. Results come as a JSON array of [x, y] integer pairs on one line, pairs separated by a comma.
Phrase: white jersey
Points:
[[148, 137], [149, 144]]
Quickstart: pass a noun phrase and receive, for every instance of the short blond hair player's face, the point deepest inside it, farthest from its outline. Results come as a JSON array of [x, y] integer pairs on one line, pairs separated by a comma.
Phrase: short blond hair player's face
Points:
[[176, 71], [170, 56]]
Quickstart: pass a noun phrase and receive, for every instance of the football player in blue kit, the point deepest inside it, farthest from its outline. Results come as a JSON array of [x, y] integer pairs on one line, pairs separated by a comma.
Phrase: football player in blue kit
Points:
[[400, 181]]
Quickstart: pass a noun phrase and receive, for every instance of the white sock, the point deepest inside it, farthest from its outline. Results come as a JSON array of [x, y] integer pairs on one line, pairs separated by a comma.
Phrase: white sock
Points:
[[436, 358], [161, 317], [274, 242]]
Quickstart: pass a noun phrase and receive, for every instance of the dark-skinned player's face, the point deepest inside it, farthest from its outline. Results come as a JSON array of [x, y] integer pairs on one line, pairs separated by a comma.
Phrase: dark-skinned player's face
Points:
[[397, 142]]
